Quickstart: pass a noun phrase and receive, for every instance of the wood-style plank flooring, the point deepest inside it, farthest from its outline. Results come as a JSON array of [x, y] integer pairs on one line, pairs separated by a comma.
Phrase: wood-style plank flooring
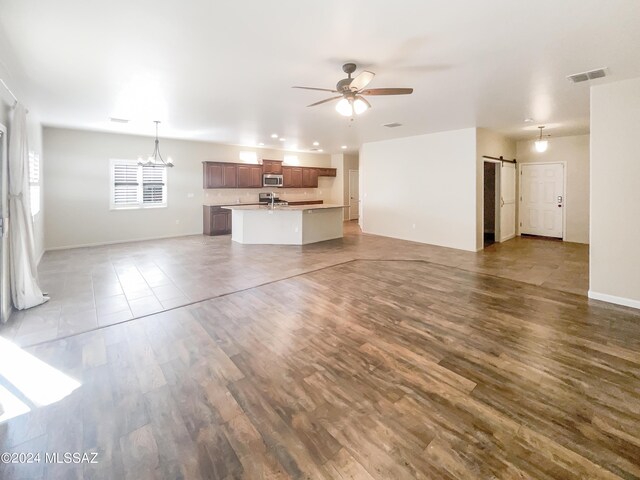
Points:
[[364, 370], [98, 286]]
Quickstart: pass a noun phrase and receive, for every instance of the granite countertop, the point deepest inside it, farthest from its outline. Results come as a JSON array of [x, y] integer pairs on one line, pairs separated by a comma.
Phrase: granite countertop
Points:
[[286, 208], [228, 204]]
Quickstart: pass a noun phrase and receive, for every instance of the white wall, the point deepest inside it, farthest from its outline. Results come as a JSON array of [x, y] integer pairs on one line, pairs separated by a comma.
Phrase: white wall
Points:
[[574, 151], [615, 193], [491, 144], [78, 188], [422, 188]]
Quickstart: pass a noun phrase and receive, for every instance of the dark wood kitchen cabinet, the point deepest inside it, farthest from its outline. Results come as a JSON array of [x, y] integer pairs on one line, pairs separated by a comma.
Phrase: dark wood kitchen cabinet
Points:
[[309, 177], [296, 177], [326, 172], [292, 177], [220, 175], [216, 221], [249, 176], [272, 166]]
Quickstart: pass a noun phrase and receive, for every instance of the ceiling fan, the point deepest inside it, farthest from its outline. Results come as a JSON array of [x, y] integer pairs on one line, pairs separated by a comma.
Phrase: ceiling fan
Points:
[[352, 92]]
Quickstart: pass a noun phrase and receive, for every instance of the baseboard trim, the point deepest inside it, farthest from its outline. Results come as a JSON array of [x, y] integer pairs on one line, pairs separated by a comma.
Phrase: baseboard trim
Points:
[[115, 242], [626, 302]]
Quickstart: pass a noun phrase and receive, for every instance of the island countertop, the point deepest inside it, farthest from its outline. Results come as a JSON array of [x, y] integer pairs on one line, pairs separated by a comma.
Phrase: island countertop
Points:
[[284, 208]]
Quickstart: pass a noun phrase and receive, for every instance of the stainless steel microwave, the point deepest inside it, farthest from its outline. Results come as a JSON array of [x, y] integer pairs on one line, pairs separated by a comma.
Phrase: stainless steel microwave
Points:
[[270, 180]]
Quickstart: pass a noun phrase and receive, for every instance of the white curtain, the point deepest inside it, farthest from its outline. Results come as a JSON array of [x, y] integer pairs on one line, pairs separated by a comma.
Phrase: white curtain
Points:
[[25, 291]]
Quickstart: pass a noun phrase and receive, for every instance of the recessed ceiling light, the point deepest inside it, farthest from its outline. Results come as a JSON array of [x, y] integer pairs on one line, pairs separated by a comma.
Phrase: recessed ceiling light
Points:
[[315, 144], [261, 144], [320, 150], [293, 147], [528, 120], [274, 135], [344, 147], [282, 139], [119, 120]]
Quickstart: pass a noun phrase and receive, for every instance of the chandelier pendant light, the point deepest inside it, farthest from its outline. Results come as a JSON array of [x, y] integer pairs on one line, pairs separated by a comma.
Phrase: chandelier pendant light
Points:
[[156, 160], [541, 144]]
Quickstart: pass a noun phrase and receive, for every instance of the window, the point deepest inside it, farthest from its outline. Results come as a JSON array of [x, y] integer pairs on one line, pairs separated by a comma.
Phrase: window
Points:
[[249, 157], [135, 186], [34, 182]]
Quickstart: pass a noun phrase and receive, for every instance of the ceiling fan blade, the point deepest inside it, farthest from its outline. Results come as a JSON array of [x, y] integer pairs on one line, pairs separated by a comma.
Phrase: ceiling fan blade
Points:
[[324, 101], [387, 91], [319, 89], [362, 80]]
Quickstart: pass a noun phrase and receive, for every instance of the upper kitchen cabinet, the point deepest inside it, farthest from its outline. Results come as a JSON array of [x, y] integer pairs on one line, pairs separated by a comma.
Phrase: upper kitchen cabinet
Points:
[[292, 177], [309, 177], [220, 175], [272, 167], [326, 172], [249, 176]]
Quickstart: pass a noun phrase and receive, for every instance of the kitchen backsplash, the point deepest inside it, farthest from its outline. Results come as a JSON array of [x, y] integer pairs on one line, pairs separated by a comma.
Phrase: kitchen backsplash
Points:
[[238, 195]]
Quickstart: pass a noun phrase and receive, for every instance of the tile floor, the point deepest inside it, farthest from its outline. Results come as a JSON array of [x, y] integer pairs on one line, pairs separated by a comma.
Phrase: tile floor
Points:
[[98, 286]]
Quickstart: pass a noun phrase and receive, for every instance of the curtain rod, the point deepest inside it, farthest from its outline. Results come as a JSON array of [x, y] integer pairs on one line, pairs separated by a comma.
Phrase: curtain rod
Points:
[[499, 158], [9, 90]]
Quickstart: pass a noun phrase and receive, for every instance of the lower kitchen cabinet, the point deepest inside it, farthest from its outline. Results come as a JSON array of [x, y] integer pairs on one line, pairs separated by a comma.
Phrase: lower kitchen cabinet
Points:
[[216, 221]]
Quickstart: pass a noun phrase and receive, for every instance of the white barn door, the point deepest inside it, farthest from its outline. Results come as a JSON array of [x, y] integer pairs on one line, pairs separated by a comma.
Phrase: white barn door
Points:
[[507, 201]]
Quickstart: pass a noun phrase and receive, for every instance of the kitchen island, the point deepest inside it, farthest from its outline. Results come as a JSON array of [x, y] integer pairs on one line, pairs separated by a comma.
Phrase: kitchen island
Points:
[[286, 224]]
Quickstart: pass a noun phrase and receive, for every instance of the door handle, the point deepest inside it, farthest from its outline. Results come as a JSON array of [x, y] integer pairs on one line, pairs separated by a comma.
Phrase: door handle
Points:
[[501, 202], [559, 198]]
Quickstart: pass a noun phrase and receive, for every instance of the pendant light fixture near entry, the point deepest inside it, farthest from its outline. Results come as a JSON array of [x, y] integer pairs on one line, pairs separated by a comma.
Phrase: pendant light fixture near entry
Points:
[[156, 160], [541, 145]]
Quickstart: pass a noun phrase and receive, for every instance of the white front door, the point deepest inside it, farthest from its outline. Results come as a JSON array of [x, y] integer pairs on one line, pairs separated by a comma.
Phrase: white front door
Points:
[[542, 199], [507, 201], [354, 195]]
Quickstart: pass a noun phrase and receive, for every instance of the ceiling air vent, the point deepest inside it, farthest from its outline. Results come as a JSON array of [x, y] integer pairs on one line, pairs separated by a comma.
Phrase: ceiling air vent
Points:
[[392, 125], [590, 75]]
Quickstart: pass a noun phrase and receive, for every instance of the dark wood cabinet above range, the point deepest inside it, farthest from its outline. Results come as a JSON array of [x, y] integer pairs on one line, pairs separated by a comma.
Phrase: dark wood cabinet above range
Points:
[[272, 166], [242, 175]]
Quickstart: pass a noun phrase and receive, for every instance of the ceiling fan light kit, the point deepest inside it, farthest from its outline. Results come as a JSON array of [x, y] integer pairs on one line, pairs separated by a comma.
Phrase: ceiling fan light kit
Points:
[[351, 92]]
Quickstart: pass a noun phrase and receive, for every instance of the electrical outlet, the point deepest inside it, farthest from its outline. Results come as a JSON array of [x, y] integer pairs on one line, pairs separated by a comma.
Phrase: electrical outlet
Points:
[[190, 195], [178, 222], [413, 226]]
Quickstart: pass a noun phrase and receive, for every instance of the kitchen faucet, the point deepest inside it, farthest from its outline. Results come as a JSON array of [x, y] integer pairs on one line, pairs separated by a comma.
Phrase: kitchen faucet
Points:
[[273, 200]]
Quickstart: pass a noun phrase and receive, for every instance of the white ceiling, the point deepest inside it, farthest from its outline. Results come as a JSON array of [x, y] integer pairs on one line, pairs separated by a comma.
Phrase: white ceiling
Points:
[[222, 71]]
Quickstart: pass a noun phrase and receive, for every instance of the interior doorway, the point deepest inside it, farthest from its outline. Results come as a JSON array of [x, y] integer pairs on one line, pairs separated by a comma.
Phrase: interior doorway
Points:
[[499, 200], [491, 199], [354, 194]]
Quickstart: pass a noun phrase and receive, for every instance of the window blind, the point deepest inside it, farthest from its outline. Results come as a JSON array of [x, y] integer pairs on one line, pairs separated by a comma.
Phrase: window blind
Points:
[[136, 186], [34, 182], [153, 184], [125, 184]]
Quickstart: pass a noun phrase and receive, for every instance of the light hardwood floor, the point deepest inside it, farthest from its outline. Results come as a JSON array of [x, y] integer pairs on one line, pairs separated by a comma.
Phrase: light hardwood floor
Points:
[[94, 287], [369, 369]]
